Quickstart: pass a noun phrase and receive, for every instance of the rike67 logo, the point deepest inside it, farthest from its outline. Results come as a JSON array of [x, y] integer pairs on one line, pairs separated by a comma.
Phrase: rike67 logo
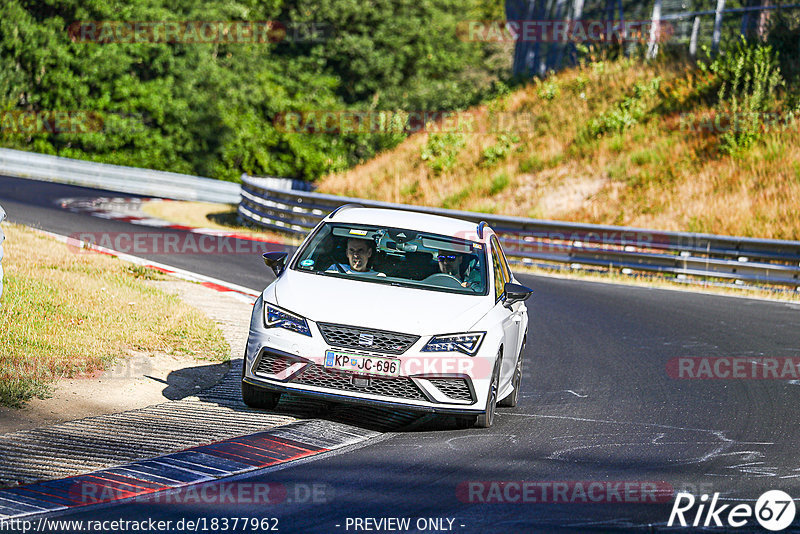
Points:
[[774, 510]]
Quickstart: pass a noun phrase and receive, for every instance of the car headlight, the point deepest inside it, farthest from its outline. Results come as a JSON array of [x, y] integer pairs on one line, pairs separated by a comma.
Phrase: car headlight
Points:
[[468, 343], [275, 317]]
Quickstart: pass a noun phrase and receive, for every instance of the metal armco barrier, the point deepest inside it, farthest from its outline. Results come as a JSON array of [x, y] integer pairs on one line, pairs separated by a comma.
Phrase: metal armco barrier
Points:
[[743, 259], [116, 177]]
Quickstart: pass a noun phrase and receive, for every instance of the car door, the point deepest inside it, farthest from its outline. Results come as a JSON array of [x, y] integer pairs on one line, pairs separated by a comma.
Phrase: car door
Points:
[[519, 307], [508, 319]]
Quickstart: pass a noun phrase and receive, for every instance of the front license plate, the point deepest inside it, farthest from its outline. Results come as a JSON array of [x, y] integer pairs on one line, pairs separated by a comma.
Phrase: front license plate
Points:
[[358, 363]]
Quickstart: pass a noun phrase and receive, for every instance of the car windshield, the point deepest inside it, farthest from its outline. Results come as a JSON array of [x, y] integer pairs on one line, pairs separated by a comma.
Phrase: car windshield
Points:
[[396, 256]]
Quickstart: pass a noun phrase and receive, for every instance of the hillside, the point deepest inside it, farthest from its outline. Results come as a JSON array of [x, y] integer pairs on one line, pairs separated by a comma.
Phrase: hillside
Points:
[[615, 142]]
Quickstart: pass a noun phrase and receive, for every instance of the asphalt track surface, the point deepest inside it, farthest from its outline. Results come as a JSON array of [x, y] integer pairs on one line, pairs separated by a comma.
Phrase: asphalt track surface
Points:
[[598, 405]]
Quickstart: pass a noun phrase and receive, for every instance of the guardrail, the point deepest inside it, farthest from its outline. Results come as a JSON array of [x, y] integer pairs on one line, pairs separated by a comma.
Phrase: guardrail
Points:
[[116, 177], [767, 261]]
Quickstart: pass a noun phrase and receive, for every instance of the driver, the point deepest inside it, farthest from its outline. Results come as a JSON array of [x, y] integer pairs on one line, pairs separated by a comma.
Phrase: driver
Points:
[[450, 263], [359, 252]]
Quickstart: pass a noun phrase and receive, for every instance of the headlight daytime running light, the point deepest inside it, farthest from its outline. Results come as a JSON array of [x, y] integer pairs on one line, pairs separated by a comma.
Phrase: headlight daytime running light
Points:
[[275, 317], [467, 343]]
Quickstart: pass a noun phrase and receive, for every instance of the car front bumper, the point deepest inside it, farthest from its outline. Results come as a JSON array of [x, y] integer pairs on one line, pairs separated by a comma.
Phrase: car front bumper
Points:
[[285, 361]]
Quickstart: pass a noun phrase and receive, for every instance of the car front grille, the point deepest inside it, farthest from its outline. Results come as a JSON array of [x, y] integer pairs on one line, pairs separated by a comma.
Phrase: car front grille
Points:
[[339, 335], [455, 388], [319, 376], [272, 364]]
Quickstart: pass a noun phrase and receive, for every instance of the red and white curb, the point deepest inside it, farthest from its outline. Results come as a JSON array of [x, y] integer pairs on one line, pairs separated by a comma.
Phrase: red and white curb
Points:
[[179, 471], [130, 210], [241, 293]]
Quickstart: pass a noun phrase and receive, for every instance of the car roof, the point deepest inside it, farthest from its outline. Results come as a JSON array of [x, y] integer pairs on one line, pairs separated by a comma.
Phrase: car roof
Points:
[[421, 222]]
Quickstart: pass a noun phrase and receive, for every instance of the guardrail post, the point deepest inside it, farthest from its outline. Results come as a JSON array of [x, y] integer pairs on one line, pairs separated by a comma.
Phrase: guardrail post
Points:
[[655, 24], [717, 25], [693, 40]]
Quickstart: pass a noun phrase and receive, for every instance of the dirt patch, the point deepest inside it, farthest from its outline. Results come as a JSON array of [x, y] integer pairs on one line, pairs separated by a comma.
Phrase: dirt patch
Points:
[[553, 193], [570, 195], [143, 379]]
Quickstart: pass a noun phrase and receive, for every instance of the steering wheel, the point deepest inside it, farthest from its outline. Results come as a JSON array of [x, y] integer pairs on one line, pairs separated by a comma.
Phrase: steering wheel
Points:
[[444, 280], [340, 268]]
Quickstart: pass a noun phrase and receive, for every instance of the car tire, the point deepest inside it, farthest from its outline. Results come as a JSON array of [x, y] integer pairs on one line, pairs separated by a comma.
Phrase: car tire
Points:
[[512, 399], [486, 419], [257, 397]]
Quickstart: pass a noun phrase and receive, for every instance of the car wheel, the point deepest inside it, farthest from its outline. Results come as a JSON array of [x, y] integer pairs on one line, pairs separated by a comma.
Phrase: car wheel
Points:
[[512, 399], [256, 397], [485, 419]]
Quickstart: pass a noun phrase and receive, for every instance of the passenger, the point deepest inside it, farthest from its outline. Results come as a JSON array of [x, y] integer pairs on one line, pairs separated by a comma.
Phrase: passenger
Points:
[[359, 252], [451, 263]]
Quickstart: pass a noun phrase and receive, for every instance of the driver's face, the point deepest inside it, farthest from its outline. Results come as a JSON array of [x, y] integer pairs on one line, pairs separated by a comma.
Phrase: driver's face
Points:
[[449, 263], [358, 254]]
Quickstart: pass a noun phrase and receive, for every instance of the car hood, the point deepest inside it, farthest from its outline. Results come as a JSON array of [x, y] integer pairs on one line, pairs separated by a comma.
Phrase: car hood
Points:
[[371, 305]]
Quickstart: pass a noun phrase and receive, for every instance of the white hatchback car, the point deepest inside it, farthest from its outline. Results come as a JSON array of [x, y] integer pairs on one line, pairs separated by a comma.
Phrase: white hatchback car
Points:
[[391, 308]]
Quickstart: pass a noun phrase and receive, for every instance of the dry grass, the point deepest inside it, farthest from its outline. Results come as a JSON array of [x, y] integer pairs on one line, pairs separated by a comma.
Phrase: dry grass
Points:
[[64, 314], [656, 173]]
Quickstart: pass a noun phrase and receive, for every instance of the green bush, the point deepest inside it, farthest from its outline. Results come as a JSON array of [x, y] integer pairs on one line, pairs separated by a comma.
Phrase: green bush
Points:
[[748, 76], [441, 151], [548, 90], [454, 201], [499, 182], [624, 113], [499, 151], [531, 164]]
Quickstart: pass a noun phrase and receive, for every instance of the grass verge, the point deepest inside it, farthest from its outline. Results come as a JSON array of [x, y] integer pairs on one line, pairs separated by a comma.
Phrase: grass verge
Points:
[[65, 313]]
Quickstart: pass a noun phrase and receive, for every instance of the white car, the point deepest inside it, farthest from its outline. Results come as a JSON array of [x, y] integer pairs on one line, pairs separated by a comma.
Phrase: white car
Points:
[[391, 308]]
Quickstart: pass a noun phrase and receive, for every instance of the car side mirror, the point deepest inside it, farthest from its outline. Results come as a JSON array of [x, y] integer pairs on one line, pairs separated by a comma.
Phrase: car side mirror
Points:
[[515, 293], [275, 261]]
